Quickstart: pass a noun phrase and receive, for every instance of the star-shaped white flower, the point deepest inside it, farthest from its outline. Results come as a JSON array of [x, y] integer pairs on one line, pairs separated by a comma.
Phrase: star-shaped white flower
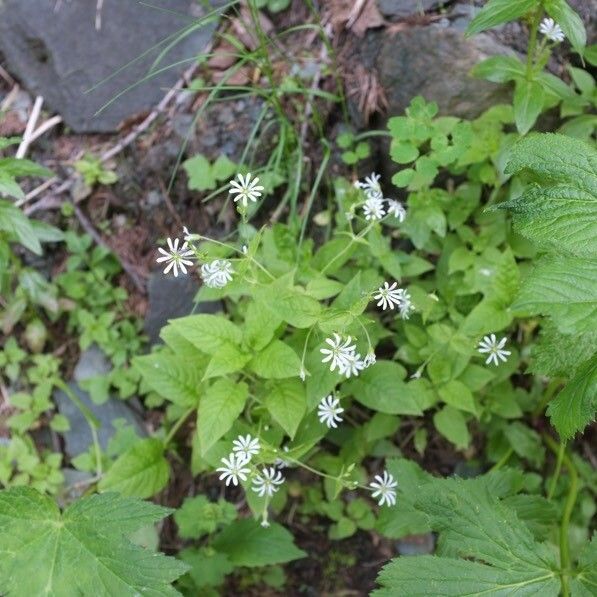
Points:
[[338, 352], [266, 484], [217, 273], [352, 365], [371, 186], [373, 208], [551, 30], [245, 189], [233, 469], [389, 296], [495, 349], [329, 410], [175, 257], [384, 488], [396, 209], [246, 446]]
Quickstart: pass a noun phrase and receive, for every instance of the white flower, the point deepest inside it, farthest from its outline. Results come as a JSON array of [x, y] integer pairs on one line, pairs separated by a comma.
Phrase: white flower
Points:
[[384, 488], [329, 410], [496, 351], [551, 30], [217, 273], [396, 209], [246, 446], [406, 305], [389, 296], [352, 365], [264, 523], [245, 189], [267, 483], [233, 469], [175, 257], [369, 359], [373, 208], [302, 374], [371, 186], [338, 353]]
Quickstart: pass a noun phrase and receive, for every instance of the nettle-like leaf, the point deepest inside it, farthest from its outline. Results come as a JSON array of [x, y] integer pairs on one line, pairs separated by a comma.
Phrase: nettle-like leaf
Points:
[[81, 551], [483, 548]]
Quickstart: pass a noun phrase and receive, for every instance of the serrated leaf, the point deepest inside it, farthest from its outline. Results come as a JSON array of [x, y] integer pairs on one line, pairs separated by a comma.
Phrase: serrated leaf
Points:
[[200, 173], [199, 516], [141, 471], [575, 406], [496, 12], [564, 288], [286, 402], [247, 543], [219, 408], [276, 361], [499, 554], [585, 581], [82, 551]]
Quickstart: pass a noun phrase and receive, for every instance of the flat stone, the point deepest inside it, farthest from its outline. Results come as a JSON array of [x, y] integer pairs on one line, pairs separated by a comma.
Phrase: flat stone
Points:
[[78, 439], [405, 8], [59, 54], [91, 363], [435, 62], [169, 298]]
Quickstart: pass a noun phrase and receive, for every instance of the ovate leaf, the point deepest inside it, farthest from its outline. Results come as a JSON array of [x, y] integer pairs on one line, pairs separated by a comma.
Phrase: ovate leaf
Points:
[[575, 406], [218, 410], [207, 332], [286, 401], [496, 12], [141, 471], [81, 551], [528, 103], [247, 543]]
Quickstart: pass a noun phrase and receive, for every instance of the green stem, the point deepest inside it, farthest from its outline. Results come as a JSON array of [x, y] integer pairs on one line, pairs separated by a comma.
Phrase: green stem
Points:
[[533, 43], [565, 522], [178, 425], [500, 463], [558, 470]]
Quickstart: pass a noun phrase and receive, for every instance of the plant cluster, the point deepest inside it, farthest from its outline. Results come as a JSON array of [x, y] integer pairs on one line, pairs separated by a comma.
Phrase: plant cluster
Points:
[[448, 312]]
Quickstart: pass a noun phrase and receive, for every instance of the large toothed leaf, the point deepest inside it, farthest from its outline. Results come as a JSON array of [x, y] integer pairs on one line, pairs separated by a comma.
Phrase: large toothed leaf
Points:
[[81, 551]]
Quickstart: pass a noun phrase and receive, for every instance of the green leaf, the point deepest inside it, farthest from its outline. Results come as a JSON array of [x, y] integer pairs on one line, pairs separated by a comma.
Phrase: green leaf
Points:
[[287, 403], [141, 471], [564, 288], [585, 581], [499, 69], [247, 543], [260, 326], [456, 394], [223, 168], [528, 103], [496, 12], [207, 332], [226, 359], [208, 567], [483, 548], [200, 173], [571, 24], [382, 388], [525, 442], [276, 361], [289, 304], [198, 516], [452, 425], [219, 408], [560, 218], [13, 221], [171, 376], [82, 551], [575, 406]]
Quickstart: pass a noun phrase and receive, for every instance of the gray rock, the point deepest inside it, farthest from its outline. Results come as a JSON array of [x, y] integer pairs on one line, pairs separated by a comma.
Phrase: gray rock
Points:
[[416, 545], [60, 55], [405, 8], [78, 438], [435, 62], [92, 362], [169, 298]]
